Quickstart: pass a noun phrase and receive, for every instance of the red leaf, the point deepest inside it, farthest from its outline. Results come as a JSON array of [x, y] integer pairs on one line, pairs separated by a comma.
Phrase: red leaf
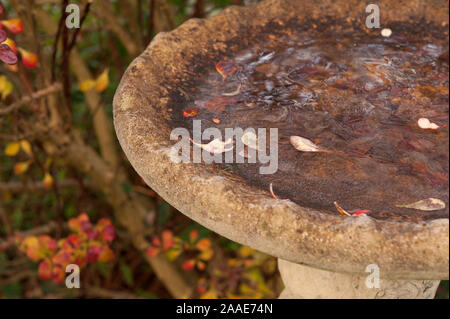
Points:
[[190, 112], [93, 252], [152, 252], [156, 241], [106, 254], [2, 35], [105, 230], [360, 212], [7, 55], [29, 59], [167, 239], [193, 236], [45, 270], [189, 265], [226, 68], [13, 25]]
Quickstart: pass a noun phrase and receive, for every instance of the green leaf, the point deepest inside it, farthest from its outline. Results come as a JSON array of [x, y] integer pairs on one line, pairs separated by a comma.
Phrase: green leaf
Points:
[[12, 291], [127, 274], [127, 187]]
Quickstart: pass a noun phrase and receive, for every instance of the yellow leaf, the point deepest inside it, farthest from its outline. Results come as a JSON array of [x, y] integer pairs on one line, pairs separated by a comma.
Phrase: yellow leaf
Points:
[[203, 244], [6, 87], [30, 245], [48, 180], [210, 294], [173, 254], [246, 251], [26, 147], [21, 167], [233, 262], [12, 148], [103, 81], [206, 254], [87, 85]]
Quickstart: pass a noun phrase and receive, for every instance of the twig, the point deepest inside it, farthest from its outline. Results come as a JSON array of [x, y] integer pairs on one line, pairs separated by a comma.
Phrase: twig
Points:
[[55, 46], [27, 99], [17, 187]]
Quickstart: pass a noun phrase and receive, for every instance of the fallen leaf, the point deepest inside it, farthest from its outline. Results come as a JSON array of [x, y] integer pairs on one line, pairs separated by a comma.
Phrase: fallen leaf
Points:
[[226, 68], [190, 112], [428, 204], [271, 191], [425, 124], [216, 146], [273, 194], [235, 92], [250, 139], [304, 145], [341, 210], [360, 212]]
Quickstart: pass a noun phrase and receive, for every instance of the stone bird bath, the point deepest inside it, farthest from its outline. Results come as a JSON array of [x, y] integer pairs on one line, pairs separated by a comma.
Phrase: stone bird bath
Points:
[[321, 253]]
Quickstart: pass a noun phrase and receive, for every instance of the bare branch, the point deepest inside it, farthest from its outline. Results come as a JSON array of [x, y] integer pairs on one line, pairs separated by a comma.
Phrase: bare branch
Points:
[[30, 98]]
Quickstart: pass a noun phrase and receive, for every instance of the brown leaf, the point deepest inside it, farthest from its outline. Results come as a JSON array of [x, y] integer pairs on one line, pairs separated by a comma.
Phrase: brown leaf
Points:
[[428, 204]]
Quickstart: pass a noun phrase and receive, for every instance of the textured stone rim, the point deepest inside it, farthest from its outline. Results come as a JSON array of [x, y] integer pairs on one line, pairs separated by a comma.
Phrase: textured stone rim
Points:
[[251, 216]]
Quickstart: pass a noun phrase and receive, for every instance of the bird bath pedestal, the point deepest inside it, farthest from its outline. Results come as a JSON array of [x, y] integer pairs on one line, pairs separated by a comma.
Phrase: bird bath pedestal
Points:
[[321, 253]]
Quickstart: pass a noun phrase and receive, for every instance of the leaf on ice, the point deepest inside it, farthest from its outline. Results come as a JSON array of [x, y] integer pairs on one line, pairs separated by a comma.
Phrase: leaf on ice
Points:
[[428, 204], [304, 145], [341, 210], [216, 146], [250, 139], [233, 93], [190, 112], [226, 68], [426, 124]]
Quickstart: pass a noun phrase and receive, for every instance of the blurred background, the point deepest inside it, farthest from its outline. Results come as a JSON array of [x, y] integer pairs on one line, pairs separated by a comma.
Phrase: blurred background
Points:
[[67, 193]]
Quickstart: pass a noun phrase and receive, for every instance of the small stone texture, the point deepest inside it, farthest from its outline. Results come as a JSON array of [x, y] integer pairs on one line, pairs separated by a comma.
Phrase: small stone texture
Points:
[[157, 81], [303, 282]]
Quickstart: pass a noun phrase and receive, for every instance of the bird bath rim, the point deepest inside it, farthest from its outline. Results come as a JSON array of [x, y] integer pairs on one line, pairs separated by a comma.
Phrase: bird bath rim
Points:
[[249, 215]]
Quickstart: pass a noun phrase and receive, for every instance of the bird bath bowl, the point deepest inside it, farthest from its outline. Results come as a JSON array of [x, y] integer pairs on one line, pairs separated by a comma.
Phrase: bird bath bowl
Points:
[[333, 209]]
